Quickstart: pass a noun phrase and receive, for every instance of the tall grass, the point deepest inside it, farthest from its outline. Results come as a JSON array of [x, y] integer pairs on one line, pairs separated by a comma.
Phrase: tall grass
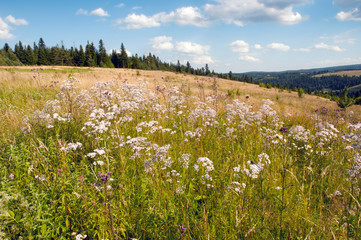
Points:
[[119, 162]]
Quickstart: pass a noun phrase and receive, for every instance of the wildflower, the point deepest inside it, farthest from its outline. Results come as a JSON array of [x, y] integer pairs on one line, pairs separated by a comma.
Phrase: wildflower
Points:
[[336, 193], [41, 178], [79, 237], [284, 129], [11, 176], [100, 163]]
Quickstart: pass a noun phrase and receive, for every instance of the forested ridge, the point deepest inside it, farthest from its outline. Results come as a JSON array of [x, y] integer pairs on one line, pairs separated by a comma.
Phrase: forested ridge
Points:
[[97, 56]]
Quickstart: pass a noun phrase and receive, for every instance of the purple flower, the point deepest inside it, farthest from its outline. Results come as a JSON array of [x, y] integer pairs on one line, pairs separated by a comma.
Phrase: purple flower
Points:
[[284, 129], [11, 176]]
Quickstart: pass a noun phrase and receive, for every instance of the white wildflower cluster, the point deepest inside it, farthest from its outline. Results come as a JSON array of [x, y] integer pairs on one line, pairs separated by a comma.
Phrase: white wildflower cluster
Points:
[[355, 172], [173, 174], [299, 133], [138, 145], [45, 115], [67, 117], [99, 122], [196, 134], [256, 168], [206, 114], [237, 187], [79, 236], [184, 160], [180, 190], [354, 137], [266, 108], [176, 99], [72, 147], [96, 152], [241, 113], [326, 133], [69, 84], [207, 165], [160, 156], [272, 135]]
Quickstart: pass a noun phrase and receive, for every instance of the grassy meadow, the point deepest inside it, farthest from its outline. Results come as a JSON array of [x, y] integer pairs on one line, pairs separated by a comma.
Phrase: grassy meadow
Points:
[[92, 153]]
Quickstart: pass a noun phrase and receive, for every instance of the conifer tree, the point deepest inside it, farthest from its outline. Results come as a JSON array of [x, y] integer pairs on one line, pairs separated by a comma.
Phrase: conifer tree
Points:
[[43, 54]]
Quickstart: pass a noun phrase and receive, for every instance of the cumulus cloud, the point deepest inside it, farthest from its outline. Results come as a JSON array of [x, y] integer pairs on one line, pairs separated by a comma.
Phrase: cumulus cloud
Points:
[[15, 21], [184, 16], [352, 10], [191, 48], [257, 46], [99, 12], [5, 30], [239, 46], [354, 15], [248, 58], [181, 16], [254, 11], [162, 43], [328, 47], [136, 21], [96, 12], [279, 46]]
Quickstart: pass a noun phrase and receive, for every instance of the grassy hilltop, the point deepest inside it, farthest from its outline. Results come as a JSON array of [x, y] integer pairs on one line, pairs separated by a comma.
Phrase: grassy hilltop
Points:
[[94, 153]]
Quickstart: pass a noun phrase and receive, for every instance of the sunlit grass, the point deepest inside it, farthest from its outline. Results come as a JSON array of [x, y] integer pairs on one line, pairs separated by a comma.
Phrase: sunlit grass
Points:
[[154, 161]]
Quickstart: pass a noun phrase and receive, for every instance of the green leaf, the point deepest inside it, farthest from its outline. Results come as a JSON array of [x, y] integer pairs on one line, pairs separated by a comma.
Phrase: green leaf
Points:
[[11, 213]]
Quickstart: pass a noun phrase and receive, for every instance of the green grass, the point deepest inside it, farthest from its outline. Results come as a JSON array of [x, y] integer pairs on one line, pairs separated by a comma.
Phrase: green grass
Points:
[[174, 170]]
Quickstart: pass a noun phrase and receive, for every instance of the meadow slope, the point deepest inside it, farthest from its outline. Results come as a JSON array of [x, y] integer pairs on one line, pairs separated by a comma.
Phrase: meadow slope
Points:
[[131, 154]]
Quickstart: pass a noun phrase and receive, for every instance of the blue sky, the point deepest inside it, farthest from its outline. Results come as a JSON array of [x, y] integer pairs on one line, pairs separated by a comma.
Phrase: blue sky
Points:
[[236, 35]]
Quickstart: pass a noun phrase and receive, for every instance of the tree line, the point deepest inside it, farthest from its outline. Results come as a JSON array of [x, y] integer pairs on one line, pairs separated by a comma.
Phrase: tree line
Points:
[[92, 56]]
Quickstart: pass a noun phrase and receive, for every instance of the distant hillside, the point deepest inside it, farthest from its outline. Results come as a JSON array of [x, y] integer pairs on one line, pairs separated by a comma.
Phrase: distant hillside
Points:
[[312, 80], [312, 70]]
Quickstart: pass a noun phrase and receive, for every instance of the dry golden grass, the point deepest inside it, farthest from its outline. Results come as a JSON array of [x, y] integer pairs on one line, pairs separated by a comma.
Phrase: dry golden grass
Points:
[[20, 80]]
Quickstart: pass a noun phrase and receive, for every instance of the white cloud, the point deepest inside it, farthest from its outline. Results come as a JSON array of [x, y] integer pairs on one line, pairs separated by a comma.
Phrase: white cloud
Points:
[[248, 58], [257, 46], [184, 16], [5, 30], [190, 48], [99, 12], [81, 12], [15, 21], [279, 46], [254, 11], [96, 12], [181, 16], [352, 10], [120, 5], [203, 60], [328, 47], [354, 14], [239, 46], [135, 21], [302, 50], [162, 43]]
